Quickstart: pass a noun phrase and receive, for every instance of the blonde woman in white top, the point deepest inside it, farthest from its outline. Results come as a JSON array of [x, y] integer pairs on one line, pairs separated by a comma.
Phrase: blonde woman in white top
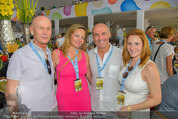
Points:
[[165, 54]]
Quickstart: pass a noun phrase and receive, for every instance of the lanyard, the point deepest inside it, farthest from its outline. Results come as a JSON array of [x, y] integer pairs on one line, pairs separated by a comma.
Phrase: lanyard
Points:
[[75, 64], [36, 52], [163, 41], [124, 79], [98, 64]]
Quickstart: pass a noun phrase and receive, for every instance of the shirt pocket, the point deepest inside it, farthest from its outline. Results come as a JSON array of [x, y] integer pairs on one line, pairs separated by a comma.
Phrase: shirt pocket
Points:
[[113, 71]]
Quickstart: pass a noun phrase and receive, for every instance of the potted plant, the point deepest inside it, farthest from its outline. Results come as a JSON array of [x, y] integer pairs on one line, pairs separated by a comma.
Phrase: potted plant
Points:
[[25, 12], [6, 31]]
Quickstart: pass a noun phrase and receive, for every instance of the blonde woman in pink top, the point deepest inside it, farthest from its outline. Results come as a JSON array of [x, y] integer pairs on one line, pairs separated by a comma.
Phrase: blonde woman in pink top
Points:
[[72, 90]]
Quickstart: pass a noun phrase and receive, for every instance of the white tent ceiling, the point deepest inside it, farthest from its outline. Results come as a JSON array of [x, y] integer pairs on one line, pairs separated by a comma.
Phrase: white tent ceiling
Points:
[[157, 17]]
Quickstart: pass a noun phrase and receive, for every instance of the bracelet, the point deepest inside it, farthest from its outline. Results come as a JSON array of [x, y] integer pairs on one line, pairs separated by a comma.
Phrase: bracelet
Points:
[[129, 108]]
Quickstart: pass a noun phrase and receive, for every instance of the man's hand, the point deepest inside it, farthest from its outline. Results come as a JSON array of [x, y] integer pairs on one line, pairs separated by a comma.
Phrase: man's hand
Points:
[[12, 103]]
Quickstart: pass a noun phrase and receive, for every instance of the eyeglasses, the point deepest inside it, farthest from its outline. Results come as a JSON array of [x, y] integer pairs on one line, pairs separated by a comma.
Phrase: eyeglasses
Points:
[[125, 74], [48, 66]]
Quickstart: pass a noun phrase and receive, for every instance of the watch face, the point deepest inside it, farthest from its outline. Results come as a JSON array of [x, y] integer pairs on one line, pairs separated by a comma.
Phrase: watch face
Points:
[[3, 83]]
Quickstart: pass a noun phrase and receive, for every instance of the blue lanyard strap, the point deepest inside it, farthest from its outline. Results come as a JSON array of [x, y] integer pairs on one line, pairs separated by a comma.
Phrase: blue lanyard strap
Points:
[[163, 40], [41, 59], [98, 64], [124, 79], [75, 64]]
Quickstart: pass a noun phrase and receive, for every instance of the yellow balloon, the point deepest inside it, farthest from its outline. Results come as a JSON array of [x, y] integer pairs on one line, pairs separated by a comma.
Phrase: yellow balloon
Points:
[[81, 9], [47, 12], [160, 4]]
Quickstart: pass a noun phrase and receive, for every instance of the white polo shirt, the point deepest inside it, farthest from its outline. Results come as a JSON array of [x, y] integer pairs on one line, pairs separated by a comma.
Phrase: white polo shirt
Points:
[[36, 86]]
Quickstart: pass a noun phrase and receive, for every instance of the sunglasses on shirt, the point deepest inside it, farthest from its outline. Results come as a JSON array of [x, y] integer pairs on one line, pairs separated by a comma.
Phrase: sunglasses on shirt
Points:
[[48, 66], [125, 74]]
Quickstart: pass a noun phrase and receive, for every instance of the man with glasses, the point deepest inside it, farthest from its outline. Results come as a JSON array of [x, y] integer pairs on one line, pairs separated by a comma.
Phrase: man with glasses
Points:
[[30, 74], [151, 33]]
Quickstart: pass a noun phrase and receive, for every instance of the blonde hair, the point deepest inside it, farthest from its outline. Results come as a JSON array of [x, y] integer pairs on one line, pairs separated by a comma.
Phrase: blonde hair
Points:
[[64, 48], [166, 32], [176, 49], [146, 52]]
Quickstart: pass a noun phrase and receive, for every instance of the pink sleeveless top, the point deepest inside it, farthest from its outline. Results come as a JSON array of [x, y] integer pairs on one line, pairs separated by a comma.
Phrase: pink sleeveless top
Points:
[[68, 99]]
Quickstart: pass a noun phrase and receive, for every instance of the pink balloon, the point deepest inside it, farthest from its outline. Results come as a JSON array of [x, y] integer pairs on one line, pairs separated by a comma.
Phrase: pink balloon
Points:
[[67, 10]]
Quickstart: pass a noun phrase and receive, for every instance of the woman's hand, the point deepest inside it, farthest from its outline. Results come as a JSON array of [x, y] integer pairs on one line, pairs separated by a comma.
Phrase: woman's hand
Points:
[[123, 112]]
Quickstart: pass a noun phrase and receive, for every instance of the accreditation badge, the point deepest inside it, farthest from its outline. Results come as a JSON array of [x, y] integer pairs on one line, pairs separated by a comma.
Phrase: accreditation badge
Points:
[[121, 98], [78, 85], [99, 83]]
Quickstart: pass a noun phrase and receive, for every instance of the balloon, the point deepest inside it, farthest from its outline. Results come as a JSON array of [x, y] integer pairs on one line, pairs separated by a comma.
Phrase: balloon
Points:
[[47, 12], [67, 10], [112, 1], [160, 4], [101, 11], [81, 9], [56, 16], [129, 5]]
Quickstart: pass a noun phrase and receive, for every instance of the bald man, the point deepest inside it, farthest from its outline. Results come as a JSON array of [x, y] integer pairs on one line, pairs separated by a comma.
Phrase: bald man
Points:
[[30, 81], [105, 63]]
